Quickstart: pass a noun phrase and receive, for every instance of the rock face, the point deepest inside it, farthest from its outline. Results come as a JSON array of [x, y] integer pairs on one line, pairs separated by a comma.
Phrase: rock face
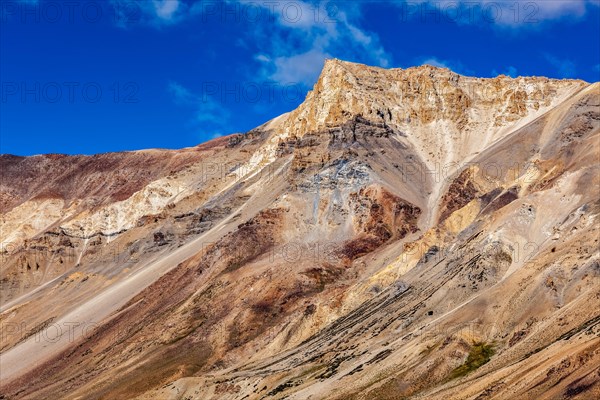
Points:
[[401, 234]]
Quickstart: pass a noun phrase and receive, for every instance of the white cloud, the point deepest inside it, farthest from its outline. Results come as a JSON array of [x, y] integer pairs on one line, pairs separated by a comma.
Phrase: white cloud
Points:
[[208, 114], [498, 13], [262, 58], [298, 41], [508, 71], [334, 17], [453, 65], [565, 68], [435, 63], [165, 9], [296, 36], [553, 9], [154, 13], [298, 68], [182, 95]]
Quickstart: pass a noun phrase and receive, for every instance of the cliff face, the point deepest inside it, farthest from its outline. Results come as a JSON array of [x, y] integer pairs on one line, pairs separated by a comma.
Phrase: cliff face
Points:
[[403, 233], [445, 115]]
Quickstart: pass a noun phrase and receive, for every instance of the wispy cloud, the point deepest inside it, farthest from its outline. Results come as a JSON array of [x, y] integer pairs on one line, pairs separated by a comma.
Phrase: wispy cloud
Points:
[[559, 9], [182, 95], [512, 14], [297, 47], [306, 15], [295, 37], [565, 68], [452, 65], [156, 13], [209, 117], [435, 63], [165, 9], [296, 68], [508, 71]]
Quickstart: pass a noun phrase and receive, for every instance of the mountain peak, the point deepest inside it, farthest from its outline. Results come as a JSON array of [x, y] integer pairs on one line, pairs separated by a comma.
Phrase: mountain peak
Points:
[[422, 97], [443, 116]]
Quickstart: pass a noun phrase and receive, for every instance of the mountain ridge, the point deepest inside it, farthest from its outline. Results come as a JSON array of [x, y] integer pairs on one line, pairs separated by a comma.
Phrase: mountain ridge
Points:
[[364, 245]]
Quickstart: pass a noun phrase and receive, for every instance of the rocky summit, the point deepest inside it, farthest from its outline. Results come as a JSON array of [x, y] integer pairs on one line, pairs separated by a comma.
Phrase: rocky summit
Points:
[[402, 234]]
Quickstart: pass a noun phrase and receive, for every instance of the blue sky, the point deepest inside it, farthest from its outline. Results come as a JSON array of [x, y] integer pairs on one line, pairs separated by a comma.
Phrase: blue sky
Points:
[[84, 77]]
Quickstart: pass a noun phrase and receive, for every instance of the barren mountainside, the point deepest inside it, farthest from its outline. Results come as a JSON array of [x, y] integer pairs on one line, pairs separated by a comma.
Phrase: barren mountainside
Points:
[[402, 234]]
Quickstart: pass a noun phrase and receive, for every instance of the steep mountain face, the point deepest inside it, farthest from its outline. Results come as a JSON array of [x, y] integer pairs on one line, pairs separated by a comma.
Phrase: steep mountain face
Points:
[[401, 234]]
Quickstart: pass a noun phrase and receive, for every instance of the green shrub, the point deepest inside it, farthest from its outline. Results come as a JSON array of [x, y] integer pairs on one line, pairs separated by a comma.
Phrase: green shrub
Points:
[[480, 354]]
